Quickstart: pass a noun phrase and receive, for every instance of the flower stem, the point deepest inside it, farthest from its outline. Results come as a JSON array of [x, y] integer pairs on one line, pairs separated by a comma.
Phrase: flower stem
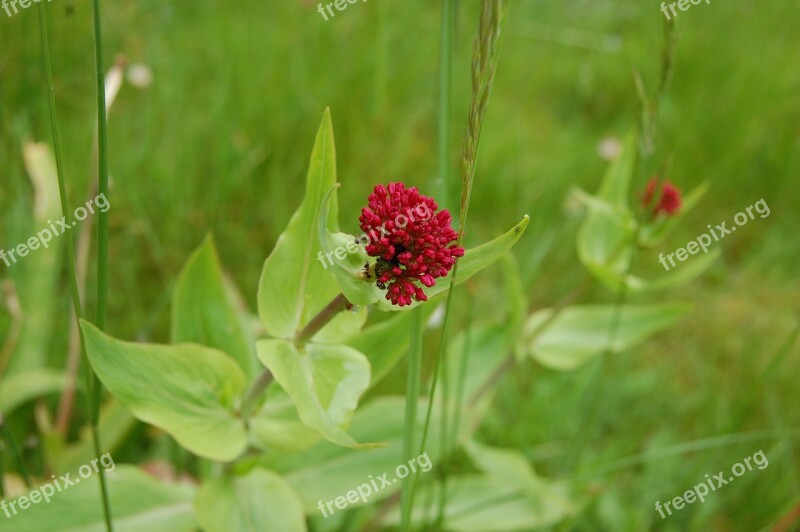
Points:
[[256, 389], [338, 304], [333, 308]]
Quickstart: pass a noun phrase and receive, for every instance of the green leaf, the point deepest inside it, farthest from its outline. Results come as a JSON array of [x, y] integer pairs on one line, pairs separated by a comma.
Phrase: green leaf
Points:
[[551, 500], [187, 390], [327, 471], [293, 287], [605, 239], [509, 497], [258, 501], [139, 502], [581, 333], [324, 382], [503, 464], [485, 504], [203, 313], [675, 276], [473, 261], [276, 427], [20, 388]]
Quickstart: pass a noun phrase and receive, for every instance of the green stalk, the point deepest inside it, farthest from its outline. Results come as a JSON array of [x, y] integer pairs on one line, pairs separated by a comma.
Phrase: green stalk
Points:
[[445, 96], [102, 161], [102, 236], [462, 372], [484, 63], [91, 380], [412, 401]]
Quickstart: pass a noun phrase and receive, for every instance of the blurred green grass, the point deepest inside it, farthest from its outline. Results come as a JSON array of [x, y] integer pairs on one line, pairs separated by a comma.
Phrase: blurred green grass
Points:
[[219, 143]]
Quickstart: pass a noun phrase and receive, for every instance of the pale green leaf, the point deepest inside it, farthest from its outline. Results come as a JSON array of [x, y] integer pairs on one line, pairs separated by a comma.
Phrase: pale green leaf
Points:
[[324, 382], [139, 502], [277, 427], [256, 502], [581, 333], [187, 390], [676, 276], [473, 261], [294, 287], [486, 504], [605, 238], [327, 471]]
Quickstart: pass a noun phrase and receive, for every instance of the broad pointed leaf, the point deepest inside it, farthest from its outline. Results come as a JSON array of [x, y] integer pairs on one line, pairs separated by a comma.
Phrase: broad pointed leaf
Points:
[[293, 286], [187, 390], [580, 333]]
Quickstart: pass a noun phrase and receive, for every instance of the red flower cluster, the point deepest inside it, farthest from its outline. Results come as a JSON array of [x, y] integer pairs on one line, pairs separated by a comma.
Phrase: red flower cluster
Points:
[[414, 243], [669, 197]]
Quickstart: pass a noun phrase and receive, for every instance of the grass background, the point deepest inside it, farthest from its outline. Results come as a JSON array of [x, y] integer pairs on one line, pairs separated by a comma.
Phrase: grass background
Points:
[[220, 141]]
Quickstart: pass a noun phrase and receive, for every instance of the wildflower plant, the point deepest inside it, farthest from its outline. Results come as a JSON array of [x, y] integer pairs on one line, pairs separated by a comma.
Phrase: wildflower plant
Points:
[[221, 393]]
